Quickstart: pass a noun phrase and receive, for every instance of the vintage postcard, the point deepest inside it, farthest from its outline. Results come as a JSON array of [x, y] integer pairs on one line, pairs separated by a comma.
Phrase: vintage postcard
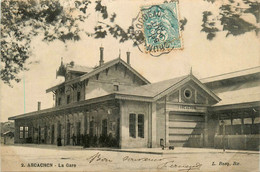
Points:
[[130, 85]]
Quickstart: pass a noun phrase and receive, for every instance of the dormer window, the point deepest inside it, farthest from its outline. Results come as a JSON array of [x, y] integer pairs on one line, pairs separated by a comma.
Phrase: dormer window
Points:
[[68, 99], [78, 96], [97, 76], [59, 101], [116, 88]]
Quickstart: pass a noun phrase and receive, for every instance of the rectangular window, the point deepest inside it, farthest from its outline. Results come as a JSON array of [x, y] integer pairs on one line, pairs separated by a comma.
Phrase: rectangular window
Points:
[[26, 132], [141, 125], [68, 99], [132, 125], [104, 127], [59, 101], [116, 88], [78, 96], [21, 132]]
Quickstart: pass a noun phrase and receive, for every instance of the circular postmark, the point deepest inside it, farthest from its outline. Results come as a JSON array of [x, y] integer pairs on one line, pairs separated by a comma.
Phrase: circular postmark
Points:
[[156, 29]]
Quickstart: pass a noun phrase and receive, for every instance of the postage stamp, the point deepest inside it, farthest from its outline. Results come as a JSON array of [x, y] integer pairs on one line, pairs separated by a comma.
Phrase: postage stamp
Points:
[[161, 27]]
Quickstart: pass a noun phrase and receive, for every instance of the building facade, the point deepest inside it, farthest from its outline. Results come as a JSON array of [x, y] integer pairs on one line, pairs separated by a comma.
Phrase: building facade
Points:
[[113, 103]]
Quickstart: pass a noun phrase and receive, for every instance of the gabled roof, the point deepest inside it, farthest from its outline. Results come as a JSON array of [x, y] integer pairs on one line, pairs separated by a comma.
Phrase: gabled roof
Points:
[[147, 93], [232, 75], [7, 132], [105, 66], [245, 95], [160, 89], [98, 70], [151, 90], [242, 87], [79, 68]]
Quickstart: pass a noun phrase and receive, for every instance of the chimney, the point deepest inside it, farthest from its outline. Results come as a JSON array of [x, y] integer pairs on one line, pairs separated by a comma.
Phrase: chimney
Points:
[[128, 57], [39, 106], [101, 61]]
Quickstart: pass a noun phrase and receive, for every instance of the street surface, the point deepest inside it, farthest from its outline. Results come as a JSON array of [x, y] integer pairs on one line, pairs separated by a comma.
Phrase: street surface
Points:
[[51, 158]]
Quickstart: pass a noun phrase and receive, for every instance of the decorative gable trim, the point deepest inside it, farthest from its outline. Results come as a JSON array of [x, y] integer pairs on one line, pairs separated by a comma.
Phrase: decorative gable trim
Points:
[[99, 69], [182, 82], [171, 88], [106, 66], [205, 88]]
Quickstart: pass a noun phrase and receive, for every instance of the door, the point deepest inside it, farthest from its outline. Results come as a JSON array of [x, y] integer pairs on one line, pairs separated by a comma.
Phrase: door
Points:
[[68, 133], [186, 129], [104, 127], [78, 133], [59, 130], [52, 134], [45, 134]]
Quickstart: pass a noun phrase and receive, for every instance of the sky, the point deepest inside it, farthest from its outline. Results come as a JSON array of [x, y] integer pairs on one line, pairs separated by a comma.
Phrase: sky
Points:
[[207, 58]]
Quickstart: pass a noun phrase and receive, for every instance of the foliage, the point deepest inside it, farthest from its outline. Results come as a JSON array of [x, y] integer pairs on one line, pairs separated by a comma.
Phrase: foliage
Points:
[[22, 21], [231, 18], [183, 22], [208, 27]]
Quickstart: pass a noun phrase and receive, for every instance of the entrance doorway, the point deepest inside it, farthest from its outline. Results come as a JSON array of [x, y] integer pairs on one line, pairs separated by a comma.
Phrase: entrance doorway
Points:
[[59, 130], [59, 134], [186, 129], [78, 133], [68, 133], [52, 134]]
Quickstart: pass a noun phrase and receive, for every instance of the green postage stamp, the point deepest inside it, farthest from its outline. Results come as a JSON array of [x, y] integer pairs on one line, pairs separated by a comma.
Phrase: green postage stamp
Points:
[[160, 27]]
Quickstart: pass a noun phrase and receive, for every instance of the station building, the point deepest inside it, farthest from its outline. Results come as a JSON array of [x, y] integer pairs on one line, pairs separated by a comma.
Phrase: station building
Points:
[[114, 99]]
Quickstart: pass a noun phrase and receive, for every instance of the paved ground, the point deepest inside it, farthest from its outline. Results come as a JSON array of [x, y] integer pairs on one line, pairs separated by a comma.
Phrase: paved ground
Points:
[[34, 157]]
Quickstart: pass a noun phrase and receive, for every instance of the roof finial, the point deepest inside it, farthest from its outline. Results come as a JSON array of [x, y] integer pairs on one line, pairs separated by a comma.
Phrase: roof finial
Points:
[[61, 61], [190, 70], [119, 53]]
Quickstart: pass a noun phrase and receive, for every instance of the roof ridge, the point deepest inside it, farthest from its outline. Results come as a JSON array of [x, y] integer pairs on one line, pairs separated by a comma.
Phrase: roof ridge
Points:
[[78, 65], [144, 87], [172, 78], [98, 69], [231, 72], [181, 77], [167, 80]]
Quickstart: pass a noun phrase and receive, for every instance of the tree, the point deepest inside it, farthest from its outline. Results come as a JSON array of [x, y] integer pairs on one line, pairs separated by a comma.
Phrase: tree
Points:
[[231, 18], [60, 20], [49, 20]]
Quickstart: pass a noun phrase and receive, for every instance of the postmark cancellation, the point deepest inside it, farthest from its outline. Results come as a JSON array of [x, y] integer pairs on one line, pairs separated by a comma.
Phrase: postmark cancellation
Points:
[[161, 27]]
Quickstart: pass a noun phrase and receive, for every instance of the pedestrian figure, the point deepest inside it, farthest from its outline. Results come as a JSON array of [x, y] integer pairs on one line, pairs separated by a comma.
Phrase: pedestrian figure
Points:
[[78, 139], [82, 140], [59, 141], [74, 140]]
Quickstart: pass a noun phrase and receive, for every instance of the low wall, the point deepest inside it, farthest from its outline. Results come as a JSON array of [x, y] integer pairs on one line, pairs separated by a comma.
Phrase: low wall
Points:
[[240, 142]]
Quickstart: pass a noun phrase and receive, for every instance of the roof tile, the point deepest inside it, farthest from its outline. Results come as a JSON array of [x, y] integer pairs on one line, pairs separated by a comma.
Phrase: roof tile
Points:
[[154, 89]]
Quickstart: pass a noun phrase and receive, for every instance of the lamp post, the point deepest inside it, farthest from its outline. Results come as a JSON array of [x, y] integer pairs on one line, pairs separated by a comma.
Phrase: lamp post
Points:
[[223, 134]]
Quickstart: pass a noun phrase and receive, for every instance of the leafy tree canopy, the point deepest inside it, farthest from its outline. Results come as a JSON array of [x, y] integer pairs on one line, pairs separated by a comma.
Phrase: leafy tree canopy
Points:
[[231, 18], [56, 20]]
